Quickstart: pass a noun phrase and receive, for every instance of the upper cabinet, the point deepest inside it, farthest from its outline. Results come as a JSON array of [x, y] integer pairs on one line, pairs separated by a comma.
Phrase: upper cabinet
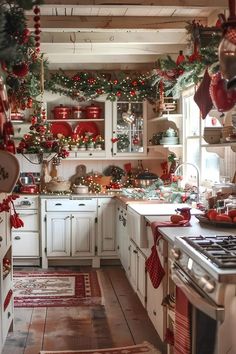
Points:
[[129, 132]]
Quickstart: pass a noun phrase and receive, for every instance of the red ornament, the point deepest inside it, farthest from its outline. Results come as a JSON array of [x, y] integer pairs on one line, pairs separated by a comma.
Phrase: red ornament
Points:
[[115, 82], [29, 103], [33, 120], [76, 78], [202, 96], [114, 140], [20, 70], [134, 83], [118, 93], [36, 10], [136, 141], [222, 98], [132, 93], [181, 58]]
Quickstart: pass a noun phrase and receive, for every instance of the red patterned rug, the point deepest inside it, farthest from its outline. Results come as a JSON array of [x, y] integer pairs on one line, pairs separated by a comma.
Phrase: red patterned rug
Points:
[[145, 348], [57, 289]]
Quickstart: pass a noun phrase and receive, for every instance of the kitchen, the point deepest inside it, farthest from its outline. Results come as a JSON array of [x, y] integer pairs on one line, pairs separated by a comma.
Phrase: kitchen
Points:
[[102, 204]]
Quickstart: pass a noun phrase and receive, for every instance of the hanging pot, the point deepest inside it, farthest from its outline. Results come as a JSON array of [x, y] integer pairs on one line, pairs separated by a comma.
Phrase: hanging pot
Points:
[[61, 112], [93, 112]]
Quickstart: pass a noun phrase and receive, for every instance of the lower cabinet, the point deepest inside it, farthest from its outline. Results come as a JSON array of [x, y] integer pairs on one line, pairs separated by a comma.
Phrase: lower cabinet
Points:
[[6, 276], [156, 310], [70, 234], [106, 228], [122, 236], [137, 273]]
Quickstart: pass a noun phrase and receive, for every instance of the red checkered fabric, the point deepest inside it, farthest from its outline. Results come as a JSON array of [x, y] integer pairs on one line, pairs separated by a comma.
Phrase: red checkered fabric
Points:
[[153, 264], [231, 35]]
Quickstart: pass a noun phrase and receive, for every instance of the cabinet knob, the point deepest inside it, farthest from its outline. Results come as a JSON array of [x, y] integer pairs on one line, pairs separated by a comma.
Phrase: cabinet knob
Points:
[[17, 237], [1, 238], [91, 154], [8, 314], [135, 251]]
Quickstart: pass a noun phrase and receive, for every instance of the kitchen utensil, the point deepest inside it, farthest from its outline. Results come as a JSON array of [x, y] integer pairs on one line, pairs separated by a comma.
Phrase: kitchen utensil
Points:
[[128, 116], [28, 188], [80, 189], [57, 185], [77, 112], [185, 212], [63, 128], [93, 112], [145, 179], [61, 112]]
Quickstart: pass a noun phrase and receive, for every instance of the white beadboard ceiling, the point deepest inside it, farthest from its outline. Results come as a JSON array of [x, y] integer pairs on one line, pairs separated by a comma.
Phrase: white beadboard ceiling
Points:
[[118, 35]]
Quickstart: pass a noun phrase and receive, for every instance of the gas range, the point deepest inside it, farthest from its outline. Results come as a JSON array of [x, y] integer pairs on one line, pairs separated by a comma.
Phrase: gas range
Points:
[[215, 254]]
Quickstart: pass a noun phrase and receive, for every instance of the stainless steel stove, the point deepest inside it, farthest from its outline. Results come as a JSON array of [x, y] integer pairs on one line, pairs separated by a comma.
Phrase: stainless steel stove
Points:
[[205, 269]]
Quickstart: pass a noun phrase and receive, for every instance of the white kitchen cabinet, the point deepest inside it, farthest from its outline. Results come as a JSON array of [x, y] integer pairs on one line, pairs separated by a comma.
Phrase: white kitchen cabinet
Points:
[[137, 273], [156, 311], [68, 229], [122, 236], [106, 228], [70, 234], [6, 281], [26, 240], [129, 131]]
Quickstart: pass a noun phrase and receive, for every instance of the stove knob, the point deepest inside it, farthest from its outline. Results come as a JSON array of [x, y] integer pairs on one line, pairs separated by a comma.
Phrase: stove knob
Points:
[[207, 284], [176, 253]]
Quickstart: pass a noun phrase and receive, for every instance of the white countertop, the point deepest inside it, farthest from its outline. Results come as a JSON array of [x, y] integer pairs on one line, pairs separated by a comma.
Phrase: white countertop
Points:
[[159, 209], [195, 229]]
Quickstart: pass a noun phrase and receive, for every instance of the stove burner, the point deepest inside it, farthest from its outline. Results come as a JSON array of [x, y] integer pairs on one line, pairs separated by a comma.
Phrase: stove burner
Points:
[[221, 250]]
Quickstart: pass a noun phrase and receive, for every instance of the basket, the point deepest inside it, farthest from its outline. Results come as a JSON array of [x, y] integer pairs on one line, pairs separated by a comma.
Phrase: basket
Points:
[[102, 180]]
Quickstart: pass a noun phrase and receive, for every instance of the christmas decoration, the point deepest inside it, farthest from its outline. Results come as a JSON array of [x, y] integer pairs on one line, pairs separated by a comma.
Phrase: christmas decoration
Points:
[[40, 140], [116, 172], [123, 142], [202, 95], [227, 47], [223, 99], [37, 28], [89, 85]]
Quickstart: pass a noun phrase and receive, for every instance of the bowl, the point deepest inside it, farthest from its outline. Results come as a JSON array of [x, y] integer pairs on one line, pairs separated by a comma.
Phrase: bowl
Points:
[[212, 135]]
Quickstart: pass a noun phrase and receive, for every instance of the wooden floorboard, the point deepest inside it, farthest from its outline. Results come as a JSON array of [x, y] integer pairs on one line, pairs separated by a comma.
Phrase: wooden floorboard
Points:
[[120, 321]]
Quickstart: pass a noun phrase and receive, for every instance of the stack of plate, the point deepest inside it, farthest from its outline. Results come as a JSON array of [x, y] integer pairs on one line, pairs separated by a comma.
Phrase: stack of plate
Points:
[[169, 140]]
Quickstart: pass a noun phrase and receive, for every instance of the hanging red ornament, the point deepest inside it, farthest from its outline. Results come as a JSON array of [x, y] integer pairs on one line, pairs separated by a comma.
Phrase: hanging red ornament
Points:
[[202, 95], [20, 70], [195, 56], [76, 78], [33, 120], [118, 93], [115, 82], [181, 58], [136, 141], [134, 83], [36, 10], [29, 103]]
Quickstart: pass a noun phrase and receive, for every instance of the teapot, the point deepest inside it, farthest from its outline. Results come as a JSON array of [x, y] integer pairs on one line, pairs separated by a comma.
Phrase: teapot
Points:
[[185, 212]]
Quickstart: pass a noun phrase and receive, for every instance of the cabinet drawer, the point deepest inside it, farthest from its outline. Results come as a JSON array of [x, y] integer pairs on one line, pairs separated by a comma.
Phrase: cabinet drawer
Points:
[[71, 205], [25, 244], [30, 219], [27, 202]]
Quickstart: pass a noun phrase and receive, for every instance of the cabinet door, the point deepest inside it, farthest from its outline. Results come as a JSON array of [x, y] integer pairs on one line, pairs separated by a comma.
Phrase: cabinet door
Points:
[[58, 234], [141, 277], [129, 128], [133, 270], [83, 234], [5, 234], [25, 244], [106, 227]]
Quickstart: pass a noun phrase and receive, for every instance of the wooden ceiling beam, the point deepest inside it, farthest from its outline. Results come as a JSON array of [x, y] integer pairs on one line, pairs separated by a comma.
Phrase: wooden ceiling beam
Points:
[[129, 3], [111, 23]]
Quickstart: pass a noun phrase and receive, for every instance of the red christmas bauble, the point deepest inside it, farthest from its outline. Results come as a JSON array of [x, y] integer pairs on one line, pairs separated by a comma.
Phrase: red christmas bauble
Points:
[[222, 98], [36, 10], [181, 58], [21, 69]]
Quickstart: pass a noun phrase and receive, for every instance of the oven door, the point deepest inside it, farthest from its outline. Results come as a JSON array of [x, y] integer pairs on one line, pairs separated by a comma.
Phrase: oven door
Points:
[[196, 297]]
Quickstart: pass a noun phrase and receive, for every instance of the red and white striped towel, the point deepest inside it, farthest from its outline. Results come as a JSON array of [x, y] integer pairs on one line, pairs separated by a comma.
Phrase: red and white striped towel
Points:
[[182, 324]]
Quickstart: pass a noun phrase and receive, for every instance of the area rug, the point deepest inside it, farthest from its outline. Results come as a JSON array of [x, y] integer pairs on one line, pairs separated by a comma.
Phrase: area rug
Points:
[[57, 289], [145, 347]]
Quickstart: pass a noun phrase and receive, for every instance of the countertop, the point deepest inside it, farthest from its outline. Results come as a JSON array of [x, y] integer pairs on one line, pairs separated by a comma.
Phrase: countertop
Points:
[[194, 229], [157, 209]]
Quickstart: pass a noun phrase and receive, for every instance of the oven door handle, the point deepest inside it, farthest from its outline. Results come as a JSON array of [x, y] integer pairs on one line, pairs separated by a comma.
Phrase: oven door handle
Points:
[[197, 300]]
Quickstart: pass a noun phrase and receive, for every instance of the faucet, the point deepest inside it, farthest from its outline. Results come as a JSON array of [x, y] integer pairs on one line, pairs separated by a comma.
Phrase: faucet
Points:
[[198, 174]]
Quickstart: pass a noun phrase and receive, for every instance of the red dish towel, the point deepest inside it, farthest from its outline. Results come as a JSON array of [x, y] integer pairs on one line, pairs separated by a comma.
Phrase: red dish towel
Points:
[[153, 265], [182, 324]]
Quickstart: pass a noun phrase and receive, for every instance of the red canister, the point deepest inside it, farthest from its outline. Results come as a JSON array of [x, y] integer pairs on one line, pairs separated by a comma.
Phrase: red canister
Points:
[[61, 112], [93, 112]]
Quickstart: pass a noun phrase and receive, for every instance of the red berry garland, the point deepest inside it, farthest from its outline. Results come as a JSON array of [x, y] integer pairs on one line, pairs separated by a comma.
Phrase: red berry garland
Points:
[[37, 30]]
